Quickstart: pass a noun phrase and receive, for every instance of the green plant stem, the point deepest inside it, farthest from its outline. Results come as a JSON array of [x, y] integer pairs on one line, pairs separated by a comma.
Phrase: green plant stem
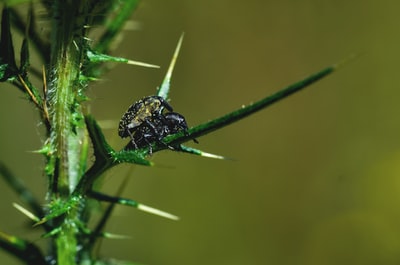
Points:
[[66, 136], [124, 13], [64, 73]]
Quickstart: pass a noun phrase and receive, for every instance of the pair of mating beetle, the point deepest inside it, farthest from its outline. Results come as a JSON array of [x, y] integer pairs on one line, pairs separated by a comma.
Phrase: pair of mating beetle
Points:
[[149, 120]]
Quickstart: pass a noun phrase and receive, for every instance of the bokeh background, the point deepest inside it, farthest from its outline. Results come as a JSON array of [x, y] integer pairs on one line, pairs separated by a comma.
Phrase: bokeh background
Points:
[[315, 178]]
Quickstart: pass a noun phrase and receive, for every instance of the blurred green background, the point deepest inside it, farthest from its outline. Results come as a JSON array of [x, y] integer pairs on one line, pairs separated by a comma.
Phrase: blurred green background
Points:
[[316, 178]]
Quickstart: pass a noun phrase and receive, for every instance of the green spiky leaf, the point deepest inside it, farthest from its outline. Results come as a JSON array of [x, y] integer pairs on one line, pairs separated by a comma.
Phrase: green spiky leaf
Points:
[[244, 111], [22, 249], [8, 66]]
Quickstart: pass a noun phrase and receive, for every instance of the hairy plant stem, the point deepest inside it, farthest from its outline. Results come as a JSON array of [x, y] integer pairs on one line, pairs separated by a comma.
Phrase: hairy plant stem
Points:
[[67, 133]]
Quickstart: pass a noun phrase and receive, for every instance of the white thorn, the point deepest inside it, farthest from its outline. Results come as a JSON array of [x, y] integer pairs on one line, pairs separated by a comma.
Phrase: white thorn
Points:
[[132, 62], [115, 236], [205, 154], [26, 212], [173, 61], [163, 91], [152, 210]]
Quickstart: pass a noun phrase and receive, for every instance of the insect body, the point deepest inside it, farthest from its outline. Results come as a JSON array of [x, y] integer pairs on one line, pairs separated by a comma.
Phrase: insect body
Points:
[[149, 120], [139, 112], [158, 127]]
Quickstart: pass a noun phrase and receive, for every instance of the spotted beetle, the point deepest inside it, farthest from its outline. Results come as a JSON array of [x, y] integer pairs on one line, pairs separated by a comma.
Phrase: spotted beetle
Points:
[[139, 112], [154, 129]]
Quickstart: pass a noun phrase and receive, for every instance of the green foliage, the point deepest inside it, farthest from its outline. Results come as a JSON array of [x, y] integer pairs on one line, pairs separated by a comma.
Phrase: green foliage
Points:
[[8, 66], [72, 62]]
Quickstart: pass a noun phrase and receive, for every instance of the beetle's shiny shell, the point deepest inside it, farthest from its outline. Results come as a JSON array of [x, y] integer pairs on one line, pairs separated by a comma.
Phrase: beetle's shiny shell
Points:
[[138, 112]]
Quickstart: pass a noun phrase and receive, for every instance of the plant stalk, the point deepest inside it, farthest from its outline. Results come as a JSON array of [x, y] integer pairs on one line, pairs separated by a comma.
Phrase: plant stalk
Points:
[[67, 133]]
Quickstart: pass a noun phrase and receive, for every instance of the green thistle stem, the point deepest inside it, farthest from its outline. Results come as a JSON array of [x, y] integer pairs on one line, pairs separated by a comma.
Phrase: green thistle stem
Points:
[[66, 133]]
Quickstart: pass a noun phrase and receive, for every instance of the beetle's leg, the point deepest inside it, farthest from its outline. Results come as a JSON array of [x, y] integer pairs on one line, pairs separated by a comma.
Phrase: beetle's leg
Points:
[[146, 138], [185, 131], [166, 105], [150, 147], [132, 139], [151, 127], [159, 135], [195, 140], [155, 133]]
